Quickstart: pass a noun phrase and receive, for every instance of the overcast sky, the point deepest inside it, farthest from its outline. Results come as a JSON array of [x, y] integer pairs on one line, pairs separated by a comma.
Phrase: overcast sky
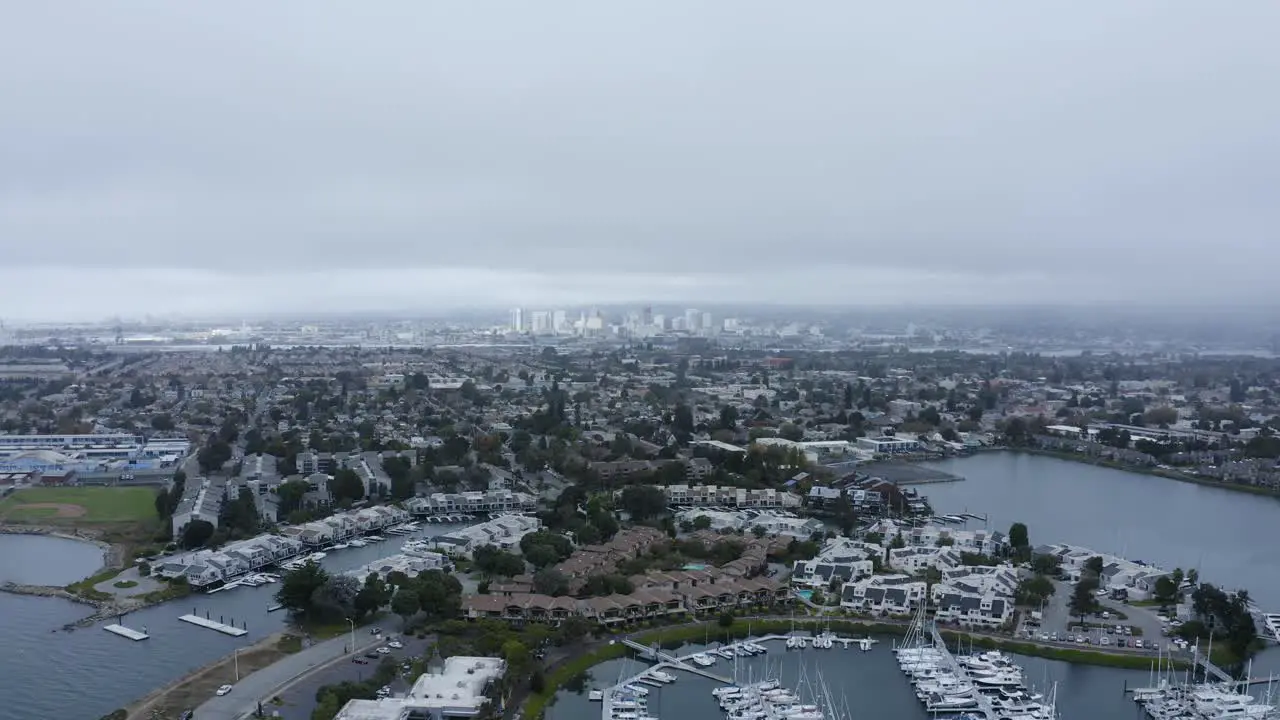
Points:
[[175, 157]]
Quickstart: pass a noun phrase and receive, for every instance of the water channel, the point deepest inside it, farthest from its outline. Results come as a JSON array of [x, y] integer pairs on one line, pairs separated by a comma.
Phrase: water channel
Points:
[[1231, 537], [47, 672]]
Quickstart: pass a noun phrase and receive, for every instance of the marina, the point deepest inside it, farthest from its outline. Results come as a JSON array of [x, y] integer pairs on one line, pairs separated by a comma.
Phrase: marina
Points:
[[765, 699], [125, 632], [982, 686], [223, 628]]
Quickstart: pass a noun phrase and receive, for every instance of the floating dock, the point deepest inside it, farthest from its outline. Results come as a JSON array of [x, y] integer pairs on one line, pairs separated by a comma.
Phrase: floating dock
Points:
[[231, 630], [125, 632]]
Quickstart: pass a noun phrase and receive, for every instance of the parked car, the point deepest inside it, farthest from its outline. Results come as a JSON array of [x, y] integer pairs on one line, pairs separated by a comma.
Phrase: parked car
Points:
[[375, 631], [223, 690], [359, 661], [384, 650], [371, 655], [396, 644]]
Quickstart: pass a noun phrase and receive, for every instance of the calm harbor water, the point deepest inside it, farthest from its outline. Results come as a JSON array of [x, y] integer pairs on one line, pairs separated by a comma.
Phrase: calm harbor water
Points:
[[870, 683], [46, 560], [87, 673], [1233, 538]]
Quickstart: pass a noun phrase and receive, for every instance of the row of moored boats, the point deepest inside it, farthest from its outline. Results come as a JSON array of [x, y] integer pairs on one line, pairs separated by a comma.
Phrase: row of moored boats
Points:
[[764, 701], [984, 686], [1203, 702]]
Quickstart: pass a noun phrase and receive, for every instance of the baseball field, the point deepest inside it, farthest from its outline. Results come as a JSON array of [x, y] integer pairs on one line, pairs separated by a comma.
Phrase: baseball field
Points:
[[86, 504]]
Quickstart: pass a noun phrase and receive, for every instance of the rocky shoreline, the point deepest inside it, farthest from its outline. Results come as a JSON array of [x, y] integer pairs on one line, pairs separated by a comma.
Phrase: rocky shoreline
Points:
[[112, 559]]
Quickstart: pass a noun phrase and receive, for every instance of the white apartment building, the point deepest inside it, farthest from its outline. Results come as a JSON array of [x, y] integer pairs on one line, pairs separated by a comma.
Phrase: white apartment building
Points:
[[727, 496], [409, 564], [982, 542], [841, 559], [747, 520], [457, 691], [503, 532], [883, 594], [889, 445]]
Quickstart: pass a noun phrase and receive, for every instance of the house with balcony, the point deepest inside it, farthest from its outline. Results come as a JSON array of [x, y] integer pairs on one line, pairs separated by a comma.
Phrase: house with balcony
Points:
[[884, 594]]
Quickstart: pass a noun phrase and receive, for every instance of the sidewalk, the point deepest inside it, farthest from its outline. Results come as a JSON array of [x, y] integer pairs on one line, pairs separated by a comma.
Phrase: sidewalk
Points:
[[265, 683]]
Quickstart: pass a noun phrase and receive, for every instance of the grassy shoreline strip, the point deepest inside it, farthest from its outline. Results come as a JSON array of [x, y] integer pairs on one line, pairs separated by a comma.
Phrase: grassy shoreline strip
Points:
[[675, 636]]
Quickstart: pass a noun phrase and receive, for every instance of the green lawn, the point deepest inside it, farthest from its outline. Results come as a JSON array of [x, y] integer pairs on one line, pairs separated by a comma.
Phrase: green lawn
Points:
[[100, 504]]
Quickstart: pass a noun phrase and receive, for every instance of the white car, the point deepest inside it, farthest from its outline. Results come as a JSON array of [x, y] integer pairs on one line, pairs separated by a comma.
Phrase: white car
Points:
[[384, 650], [395, 644], [224, 690]]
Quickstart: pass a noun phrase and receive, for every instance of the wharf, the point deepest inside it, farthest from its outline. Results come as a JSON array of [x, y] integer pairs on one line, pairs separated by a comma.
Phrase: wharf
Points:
[[985, 708], [666, 660], [125, 632], [223, 628]]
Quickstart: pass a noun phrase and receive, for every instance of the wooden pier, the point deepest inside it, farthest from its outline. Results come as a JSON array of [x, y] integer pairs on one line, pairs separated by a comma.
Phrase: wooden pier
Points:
[[125, 632], [223, 628]]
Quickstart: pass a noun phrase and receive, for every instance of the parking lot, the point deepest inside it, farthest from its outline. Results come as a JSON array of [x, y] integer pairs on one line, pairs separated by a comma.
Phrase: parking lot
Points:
[[300, 699], [1059, 625]]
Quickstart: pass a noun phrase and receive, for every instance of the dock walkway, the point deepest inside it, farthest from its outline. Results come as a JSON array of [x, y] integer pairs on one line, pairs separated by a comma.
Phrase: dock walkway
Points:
[[223, 628], [125, 632]]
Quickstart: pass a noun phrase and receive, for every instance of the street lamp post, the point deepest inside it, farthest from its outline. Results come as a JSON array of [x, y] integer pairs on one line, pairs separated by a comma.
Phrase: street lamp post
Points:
[[353, 634]]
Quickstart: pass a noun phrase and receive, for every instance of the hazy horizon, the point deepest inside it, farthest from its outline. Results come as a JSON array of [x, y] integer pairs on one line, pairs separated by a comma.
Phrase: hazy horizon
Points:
[[243, 158]]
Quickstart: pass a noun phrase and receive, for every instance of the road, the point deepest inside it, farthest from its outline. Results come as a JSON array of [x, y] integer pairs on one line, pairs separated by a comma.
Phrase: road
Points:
[[269, 681], [299, 699]]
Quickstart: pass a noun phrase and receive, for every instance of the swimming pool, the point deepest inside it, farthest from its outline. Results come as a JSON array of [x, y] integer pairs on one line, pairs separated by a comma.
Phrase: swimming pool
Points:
[[806, 594], [695, 566]]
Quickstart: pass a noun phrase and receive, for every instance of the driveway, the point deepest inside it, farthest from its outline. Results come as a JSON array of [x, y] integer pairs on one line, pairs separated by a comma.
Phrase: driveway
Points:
[[271, 680]]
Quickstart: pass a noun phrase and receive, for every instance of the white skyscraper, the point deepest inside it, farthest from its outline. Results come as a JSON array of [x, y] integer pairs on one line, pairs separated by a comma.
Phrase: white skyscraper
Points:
[[559, 321], [517, 320], [541, 322], [691, 320]]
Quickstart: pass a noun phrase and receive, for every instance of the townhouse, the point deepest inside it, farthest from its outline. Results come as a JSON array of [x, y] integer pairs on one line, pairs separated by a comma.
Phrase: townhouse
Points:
[[774, 523], [884, 594], [604, 558], [726, 496], [504, 531], [472, 502], [976, 595], [981, 542], [655, 595], [411, 564], [841, 560], [919, 559], [340, 526], [202, 568], [972, 609]]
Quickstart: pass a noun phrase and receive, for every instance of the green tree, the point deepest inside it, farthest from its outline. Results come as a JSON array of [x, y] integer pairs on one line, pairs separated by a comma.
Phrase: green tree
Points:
[[1094, 565], [1019, 541], [346, 485], [297, 587], [406, 603], [1084, 598], [790, 431], [549, 581], [643, 501], [197, 533]]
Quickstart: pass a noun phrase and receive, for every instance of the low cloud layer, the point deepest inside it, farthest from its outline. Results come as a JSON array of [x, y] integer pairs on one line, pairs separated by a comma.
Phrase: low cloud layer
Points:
[[410, 154]]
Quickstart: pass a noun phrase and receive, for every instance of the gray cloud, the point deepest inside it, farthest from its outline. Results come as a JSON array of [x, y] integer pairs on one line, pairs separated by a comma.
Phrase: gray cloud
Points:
[[832, 151]]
